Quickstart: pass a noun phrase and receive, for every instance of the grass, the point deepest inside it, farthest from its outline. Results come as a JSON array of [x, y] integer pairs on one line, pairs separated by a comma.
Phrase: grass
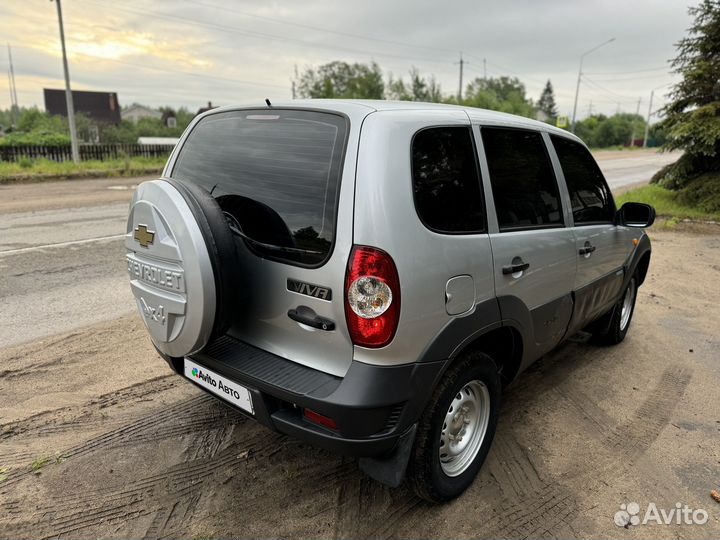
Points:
[[3, 474], [666, 204], [40, 462], [45, 169]]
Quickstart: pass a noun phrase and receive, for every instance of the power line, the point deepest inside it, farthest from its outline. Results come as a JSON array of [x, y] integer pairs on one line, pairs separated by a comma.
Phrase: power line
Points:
[[263, 35], [317, 28], [664, 68], [176, 71], [600, 87]]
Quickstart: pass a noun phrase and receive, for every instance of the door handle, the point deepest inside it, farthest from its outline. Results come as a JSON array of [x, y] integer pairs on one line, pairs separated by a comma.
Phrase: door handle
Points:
[[308, 317], [587, 250], [517, 267]]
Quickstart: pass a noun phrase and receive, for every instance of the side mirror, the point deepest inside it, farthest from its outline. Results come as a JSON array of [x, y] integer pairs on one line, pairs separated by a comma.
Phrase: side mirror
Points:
[[637, 215]]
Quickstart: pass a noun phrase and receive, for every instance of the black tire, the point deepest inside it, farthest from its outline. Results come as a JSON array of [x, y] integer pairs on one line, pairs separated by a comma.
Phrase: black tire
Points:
[[425, 472], [614, 331]]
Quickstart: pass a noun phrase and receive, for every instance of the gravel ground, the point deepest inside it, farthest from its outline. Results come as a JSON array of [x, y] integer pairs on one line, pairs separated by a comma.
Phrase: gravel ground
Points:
[[98, 439]]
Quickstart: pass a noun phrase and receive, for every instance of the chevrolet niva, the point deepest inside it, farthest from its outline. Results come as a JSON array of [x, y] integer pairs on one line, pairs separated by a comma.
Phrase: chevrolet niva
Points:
[[368, 275]]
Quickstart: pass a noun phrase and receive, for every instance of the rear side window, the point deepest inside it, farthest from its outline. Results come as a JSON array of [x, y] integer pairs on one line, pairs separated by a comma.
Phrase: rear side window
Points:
[[274, 173], [446, 180], [522, 179], [589, 193]]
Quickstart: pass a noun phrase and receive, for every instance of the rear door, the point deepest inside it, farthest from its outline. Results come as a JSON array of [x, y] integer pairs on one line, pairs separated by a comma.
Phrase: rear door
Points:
[[533, 249], [602, 247], [281, 178]]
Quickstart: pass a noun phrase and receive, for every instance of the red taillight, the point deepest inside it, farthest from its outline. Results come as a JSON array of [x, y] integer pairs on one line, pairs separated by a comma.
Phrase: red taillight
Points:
[[317, 418], [372, 297]]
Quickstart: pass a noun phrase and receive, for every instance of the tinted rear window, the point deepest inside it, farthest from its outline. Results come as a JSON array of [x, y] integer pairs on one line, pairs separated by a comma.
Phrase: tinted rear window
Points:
[[446, 180], [276, 175]]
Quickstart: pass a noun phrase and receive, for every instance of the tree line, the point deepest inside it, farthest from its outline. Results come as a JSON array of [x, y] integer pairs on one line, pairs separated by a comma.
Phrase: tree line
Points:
[[342, 80]]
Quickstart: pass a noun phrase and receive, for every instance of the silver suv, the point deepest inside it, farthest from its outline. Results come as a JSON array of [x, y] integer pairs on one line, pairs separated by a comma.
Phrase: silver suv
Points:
[[367, 276]]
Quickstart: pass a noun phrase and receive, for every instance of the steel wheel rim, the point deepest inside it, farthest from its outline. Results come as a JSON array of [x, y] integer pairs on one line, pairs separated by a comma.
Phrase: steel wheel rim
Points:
[[464, 428], [627, 306]]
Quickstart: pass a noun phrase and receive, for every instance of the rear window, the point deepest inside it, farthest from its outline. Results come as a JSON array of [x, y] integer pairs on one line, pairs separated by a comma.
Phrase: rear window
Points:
[[276, 175], [446, 180]]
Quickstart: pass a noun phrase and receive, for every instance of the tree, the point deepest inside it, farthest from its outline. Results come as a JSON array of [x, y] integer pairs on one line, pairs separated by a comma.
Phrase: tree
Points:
[[546, 103], [506, 94], [342, 80], [419, 88], [692, 118]]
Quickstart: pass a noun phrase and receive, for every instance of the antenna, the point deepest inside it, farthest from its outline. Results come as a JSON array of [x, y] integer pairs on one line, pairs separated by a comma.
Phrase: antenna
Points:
[[268, 102]]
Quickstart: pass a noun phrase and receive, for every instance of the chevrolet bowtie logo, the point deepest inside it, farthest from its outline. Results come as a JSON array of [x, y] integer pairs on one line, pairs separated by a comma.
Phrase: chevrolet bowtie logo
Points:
[[143, 236]]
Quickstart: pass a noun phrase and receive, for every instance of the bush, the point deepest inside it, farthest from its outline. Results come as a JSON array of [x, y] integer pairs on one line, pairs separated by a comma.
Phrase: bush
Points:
[[703, 193], [25, 162]]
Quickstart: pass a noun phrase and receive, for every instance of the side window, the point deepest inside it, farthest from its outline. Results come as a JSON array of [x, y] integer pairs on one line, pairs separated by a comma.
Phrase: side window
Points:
[[446, 180], [589, 193], [523, 182]]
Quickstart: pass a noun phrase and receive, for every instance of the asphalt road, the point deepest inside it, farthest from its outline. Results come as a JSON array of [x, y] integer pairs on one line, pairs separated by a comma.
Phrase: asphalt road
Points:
[[61, 254]]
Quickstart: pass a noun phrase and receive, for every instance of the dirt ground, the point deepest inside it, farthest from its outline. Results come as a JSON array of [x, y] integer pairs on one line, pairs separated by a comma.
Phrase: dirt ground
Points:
[[99, 439]]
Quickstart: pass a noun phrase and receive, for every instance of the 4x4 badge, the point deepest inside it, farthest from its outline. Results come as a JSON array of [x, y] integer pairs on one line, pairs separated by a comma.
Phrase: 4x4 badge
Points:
[[143, 236]]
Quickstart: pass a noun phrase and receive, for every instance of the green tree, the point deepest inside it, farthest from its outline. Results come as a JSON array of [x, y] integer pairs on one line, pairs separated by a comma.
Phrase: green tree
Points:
[[342, 80], [547, 104], [418, 89], [692, 118], [505, 94]]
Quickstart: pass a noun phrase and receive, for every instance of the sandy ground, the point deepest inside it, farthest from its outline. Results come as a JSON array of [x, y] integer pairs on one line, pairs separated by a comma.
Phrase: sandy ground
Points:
[[124, 449]]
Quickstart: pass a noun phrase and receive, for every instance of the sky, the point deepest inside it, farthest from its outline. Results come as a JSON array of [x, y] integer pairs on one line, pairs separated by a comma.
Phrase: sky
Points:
[[190, 52]]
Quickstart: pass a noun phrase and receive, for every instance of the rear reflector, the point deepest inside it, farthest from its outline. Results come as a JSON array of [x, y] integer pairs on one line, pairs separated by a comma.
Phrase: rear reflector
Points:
[[317, 418]]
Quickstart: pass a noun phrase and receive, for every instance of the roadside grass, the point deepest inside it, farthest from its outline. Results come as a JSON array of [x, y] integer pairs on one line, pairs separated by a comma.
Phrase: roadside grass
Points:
[[3, 474], [666, 204], [40, 462], [44, 169]]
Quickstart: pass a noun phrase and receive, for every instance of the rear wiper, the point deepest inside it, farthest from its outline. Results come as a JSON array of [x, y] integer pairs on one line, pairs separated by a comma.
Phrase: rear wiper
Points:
[[235, 229]]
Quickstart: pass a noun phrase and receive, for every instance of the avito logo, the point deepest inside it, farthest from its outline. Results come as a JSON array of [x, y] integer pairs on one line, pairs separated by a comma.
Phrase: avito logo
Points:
[[203, 376]]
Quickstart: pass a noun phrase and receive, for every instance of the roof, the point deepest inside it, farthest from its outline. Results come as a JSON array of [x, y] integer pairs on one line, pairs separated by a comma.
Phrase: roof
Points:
[[353, 107], [158, 140], [100, 106]]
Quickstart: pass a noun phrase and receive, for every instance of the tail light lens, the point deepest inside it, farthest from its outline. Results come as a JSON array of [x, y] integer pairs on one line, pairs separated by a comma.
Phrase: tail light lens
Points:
[[372, 297]]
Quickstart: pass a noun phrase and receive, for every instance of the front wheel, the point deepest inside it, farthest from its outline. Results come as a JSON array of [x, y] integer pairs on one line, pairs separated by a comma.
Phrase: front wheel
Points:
[[456, 429]]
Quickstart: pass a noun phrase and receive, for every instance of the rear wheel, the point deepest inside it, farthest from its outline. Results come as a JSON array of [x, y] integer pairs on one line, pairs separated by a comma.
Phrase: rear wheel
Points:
[[620, 317], [456, 429]]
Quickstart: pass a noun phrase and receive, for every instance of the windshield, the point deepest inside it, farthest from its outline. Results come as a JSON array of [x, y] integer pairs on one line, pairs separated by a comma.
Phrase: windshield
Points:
[[275, 173]]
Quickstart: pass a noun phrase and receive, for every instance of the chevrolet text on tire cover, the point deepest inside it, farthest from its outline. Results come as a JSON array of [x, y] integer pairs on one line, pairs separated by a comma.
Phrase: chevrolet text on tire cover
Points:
[[368, 276]]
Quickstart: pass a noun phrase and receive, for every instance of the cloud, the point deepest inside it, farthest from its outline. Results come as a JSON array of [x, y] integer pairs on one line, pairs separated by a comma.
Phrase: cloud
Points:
[[187, 52]]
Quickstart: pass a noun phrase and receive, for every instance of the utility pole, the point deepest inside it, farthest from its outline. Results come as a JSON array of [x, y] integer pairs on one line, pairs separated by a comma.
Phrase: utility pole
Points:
[[484, 68], [647, 124], [462, 62], [577, 88], [632, 133], [68, 91], [590, 109], [294, 83], [13, 89]]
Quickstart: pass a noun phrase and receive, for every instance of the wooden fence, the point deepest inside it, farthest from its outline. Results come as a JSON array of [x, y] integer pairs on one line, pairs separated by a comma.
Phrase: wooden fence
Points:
[[100, 152]]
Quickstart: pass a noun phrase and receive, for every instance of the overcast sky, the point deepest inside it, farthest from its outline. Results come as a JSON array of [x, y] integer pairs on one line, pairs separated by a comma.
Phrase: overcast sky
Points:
[[189, 52]]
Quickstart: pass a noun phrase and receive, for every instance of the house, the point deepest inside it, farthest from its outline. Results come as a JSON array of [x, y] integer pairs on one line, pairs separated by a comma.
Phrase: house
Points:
[[137, 112], [102, 107], [169, 119], [206, 109]]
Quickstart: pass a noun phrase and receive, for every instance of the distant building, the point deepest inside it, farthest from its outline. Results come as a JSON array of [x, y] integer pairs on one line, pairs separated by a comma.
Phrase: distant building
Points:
[[136, 112], [102, 107], [209, 107], [169, 119]]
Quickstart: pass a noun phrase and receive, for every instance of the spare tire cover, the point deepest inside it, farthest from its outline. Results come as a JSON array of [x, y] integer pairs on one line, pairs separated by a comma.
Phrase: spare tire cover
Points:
[[171, 274]]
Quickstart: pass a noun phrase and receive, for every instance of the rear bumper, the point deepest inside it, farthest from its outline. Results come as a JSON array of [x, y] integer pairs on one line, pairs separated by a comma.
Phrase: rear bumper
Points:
[[373, 406]]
